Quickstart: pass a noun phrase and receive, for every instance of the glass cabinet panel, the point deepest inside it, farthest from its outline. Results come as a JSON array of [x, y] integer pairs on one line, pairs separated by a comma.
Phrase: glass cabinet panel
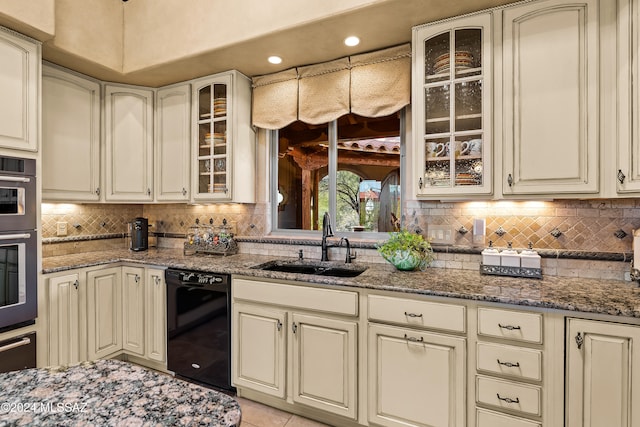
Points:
[[212, 147], [454, 127]]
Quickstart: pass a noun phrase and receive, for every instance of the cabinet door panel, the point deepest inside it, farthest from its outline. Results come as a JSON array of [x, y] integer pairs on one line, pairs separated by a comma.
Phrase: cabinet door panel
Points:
[[70, 129], [603, 384], [173, 138], [19, 86], [551, 99], [104, 312], [129, 144], [63, 324], [324, 363], [133, 310], [259, 349], [416, 378], [156, 316]]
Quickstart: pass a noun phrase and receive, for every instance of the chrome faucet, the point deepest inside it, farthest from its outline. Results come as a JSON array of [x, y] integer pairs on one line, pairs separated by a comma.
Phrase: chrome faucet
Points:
[[326, 232], [348, 258]]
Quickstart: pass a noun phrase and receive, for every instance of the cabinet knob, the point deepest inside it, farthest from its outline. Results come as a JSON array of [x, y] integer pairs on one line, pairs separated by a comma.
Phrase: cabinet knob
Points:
[[579, 340], [294, 327], [137, 278], [148, 191], [621, 176], [510, 180], [75, 284], [420, 182], [184, 191], [98, 191], [279, 325]]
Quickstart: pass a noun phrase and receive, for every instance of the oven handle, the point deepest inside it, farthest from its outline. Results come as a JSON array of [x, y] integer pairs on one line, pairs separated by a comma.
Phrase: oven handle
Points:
[[15, 236], [14, 178], [23, 341]]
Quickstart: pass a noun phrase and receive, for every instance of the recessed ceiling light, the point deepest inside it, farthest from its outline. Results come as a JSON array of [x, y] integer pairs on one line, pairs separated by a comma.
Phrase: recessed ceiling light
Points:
[[352, 41], [275, 59]]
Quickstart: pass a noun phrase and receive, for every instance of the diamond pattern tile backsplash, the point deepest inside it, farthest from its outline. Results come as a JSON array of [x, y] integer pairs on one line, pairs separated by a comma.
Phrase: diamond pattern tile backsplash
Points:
[[585, 225]]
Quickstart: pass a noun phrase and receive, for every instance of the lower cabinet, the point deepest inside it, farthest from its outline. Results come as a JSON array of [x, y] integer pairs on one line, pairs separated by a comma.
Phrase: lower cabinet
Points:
[[602, 374], [296, 343], [416, 378], [64, 319], [104, 312], [96, 313]]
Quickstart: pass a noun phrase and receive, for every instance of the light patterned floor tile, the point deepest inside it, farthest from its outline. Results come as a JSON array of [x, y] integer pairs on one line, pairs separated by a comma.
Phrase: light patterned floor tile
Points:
[[260, 415]]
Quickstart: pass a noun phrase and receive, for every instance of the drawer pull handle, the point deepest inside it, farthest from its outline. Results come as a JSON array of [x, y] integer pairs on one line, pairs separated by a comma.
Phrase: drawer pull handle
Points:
[[509, 364], [508, 327], [413, 339], [508, 399], [23, 341], [412, 314]]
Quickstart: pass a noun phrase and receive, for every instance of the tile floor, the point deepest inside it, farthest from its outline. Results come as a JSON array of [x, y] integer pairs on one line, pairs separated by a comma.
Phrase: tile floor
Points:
[[255, 414]]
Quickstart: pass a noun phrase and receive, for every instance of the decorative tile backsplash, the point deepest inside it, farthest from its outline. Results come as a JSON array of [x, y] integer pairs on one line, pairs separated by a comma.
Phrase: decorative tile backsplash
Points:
[[585, 225]]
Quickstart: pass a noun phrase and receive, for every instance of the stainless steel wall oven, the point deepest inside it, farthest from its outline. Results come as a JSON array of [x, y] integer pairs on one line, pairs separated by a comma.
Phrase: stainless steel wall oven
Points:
[[18, 242]]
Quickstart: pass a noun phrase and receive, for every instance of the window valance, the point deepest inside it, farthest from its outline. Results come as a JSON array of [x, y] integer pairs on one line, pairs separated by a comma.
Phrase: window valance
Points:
[[372, 85]]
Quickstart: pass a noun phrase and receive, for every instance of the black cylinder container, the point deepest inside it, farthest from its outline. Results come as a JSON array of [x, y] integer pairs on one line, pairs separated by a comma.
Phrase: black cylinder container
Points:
[[140, 234]]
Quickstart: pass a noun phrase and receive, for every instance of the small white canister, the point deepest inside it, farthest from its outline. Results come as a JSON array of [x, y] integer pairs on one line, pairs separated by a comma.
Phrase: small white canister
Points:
[[509, 257], [530, 258], [490, 255]]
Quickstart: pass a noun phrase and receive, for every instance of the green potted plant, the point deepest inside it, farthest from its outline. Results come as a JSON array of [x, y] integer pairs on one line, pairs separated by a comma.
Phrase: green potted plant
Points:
[[406, 250]]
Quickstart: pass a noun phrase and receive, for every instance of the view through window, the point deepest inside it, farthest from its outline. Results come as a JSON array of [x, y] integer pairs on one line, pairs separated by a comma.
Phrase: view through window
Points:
[[366, 157]]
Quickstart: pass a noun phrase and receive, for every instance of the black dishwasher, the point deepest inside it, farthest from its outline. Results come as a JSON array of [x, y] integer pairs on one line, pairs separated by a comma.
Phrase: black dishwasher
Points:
[[199, 326]]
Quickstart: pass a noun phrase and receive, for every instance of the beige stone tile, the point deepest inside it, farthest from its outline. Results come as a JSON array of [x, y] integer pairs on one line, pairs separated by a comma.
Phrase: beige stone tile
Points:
[[260, 415], [297, 421]]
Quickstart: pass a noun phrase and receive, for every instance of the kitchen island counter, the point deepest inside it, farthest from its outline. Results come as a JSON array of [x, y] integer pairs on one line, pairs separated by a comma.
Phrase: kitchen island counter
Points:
[[110, 393], [609, 297]]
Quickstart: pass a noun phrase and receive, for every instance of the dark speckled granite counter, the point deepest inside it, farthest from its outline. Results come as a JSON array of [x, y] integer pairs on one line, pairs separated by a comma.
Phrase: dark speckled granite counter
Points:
[[110, 393], [564, 293]]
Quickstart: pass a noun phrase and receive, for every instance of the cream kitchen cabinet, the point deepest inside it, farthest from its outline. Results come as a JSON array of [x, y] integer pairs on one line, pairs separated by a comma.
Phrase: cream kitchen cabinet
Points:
[[452, 106], [296, 343], [104, 312], [551, 90], [87, 314], [602, 378], [627, 171], [223, 157], [128, 143], [20, 59], [133, 313], [416, 377], [172, 143], [155, 308], [70, 129], [62, 299]]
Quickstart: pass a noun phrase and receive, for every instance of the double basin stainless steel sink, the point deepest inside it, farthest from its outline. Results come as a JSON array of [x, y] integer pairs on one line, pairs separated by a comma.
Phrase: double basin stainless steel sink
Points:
[[319, 268]]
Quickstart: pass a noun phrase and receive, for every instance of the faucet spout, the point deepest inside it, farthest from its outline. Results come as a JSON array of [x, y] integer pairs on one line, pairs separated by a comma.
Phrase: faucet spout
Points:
[[326, 232], [349, 257]]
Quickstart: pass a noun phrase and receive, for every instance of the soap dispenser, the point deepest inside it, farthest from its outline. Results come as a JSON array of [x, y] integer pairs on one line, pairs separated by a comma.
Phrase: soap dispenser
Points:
[[490, 255], [510, 257], [530, 258]]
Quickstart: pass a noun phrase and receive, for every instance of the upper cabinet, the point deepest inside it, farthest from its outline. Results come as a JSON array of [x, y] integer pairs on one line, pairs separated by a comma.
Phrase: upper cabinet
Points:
[[223, 166], [550, 98], [173, 138], [627, 171], [70, 125], [452, 110], [20, 60], [129, 143]]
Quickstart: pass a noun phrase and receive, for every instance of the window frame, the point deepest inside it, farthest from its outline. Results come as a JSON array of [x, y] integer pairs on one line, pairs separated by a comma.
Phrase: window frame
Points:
[[273, 136]]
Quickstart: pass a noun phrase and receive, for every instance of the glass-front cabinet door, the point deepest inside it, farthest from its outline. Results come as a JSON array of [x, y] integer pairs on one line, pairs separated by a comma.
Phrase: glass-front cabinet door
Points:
[[452, 108], [223, 151], [213, 139]]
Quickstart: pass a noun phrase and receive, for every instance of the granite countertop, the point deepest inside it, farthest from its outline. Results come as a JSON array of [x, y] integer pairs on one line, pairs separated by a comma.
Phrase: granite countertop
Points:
[[565, 293], [109, 393]]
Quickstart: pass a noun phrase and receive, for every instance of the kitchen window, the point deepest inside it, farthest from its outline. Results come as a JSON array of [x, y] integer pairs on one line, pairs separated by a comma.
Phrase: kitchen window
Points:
[[350, 167]]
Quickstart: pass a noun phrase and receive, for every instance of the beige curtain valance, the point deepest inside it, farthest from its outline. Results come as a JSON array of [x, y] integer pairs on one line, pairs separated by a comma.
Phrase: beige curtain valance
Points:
[[381, 81], [323, 91], [275, 99], [371, 85]]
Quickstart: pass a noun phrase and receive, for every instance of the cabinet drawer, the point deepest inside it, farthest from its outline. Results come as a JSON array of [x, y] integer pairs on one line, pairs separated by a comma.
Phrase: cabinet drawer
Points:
[[298, 296], [508, 395], [513, 325], [420, 314], [509, 360], [486, 418]]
